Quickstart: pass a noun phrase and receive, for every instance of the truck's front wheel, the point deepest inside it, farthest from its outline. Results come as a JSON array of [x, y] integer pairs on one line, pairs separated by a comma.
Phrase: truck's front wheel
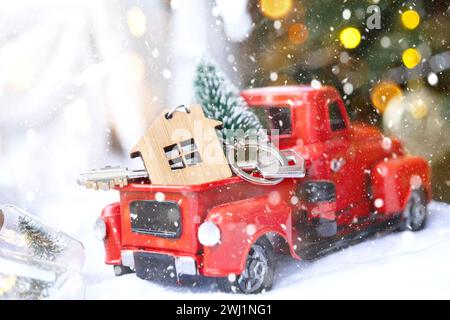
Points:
[[416, 212], [259, 271]]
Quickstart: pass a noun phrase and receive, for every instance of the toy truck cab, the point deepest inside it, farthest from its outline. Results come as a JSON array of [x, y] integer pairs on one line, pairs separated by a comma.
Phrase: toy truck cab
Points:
[[354, 174], [357, 182]]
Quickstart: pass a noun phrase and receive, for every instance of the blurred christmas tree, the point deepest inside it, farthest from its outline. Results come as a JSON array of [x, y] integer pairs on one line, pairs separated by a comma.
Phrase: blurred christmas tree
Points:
[[372, 51], [220, 100]]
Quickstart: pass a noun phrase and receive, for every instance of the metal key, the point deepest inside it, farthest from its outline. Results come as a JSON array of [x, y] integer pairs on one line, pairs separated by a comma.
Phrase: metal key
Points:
[[109, 177]]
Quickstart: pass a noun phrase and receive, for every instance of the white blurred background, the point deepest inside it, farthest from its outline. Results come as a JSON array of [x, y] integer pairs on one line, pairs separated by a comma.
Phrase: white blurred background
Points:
[[81, 79]]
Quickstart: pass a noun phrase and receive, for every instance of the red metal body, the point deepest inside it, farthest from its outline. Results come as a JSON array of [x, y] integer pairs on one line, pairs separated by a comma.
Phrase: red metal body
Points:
[[363, 173]]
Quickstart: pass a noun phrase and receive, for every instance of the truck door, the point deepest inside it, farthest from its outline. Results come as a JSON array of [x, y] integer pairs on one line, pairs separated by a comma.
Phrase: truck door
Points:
[[342, 166]]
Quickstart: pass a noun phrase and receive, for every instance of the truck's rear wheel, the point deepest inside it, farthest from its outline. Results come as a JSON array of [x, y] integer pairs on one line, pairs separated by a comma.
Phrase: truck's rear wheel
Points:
[[259, 271], [416, 212]]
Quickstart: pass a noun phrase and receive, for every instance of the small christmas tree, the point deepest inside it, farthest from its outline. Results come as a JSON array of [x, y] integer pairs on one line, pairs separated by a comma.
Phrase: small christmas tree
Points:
[[220, 100], [44, 244]]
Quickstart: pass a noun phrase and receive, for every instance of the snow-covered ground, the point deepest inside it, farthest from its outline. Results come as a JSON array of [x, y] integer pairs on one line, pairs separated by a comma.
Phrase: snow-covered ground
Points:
[[396, 265]]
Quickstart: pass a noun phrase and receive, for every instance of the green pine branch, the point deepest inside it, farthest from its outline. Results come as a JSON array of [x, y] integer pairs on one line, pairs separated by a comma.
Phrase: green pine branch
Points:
[[220, 100]]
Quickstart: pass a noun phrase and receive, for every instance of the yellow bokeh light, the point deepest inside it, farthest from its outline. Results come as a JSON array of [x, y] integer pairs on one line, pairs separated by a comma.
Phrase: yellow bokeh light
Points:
[[350, 37], [410, 19], [298, 33], [275, 9], [19, 70], [131, 69], [411, 58], [136, 67], [7, 283], [419, 110], [383, 92], [136, 22]]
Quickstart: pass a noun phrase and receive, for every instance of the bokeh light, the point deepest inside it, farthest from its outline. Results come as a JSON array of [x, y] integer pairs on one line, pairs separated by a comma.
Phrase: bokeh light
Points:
[[419, 109], [350, 37], [136, 22], [298, 33], [410, 19], [131, 67], [7, 283], [275, 9], [383, 92], [411, 58], [21, 75]]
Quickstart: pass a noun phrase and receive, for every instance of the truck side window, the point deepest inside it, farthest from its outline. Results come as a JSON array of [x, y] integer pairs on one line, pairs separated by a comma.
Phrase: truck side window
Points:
[[336, 118], [277, 118]]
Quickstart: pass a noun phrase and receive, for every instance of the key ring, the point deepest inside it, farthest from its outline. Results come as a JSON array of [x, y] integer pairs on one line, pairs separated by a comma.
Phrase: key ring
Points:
[[246, 169], [169, 114]]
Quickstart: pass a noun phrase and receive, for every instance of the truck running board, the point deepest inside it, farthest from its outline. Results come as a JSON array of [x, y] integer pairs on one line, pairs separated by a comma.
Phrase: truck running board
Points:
[[310, 250]]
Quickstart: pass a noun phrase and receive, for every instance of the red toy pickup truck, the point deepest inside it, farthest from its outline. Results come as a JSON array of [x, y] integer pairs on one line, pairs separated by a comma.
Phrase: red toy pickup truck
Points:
[[357, 182]]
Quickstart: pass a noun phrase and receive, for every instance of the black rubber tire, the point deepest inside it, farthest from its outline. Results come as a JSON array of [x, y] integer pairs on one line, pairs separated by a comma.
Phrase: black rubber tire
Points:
[[263, 249], [120, 270], [415, 213]]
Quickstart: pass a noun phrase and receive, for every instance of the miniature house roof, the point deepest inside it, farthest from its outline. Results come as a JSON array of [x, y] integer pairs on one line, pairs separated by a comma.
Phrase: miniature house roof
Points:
[[182, 148]]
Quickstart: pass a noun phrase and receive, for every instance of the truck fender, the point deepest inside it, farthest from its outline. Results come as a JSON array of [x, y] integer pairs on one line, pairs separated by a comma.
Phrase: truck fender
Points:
[[393, 180], [241, 224], [112, 242]]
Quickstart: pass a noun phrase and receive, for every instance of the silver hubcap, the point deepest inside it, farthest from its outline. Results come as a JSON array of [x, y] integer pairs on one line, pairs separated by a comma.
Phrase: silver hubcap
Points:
[[418, 213], [118, 270], [255, 270]]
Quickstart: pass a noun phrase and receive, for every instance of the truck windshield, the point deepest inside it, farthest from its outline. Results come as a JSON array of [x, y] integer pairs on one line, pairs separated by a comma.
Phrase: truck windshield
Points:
[[275, 118]]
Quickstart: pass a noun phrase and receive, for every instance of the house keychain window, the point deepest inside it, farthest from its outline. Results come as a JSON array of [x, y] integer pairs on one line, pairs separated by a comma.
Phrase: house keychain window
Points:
[[183, 154]]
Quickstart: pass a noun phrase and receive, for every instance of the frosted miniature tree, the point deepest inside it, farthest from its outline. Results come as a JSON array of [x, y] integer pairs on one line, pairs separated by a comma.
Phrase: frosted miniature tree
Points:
[[43, 244], [220, 100]]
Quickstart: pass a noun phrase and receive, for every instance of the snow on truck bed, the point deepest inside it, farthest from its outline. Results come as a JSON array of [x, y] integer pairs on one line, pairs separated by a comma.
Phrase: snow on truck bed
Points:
[[396, 265]]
